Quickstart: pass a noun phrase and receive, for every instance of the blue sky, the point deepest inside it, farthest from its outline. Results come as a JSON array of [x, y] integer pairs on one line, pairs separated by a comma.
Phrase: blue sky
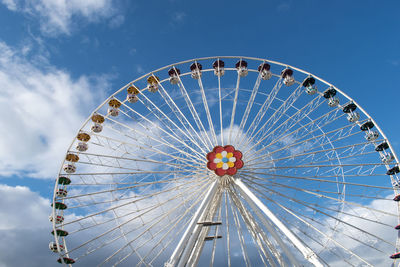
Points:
[[60, 59]]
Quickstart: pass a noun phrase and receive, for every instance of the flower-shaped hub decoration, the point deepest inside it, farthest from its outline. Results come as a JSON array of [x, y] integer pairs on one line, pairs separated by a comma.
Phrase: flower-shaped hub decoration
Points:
[[224, 160]]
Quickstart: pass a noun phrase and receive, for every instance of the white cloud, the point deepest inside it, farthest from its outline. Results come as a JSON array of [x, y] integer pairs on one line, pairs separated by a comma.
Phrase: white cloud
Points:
[[178, 16], [116, 21], [24, 228], [132, 51], [57, 17], [394, 62], [42, 109], [344, 231], [10, 4], [22, 209], [139, 69]]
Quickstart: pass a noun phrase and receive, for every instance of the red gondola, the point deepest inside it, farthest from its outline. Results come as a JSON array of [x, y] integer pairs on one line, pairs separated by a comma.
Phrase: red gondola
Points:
[[66, 260], [395, 255]]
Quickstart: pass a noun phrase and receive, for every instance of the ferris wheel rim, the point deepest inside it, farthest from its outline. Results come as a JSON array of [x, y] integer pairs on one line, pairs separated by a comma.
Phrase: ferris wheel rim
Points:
[[186, 73]]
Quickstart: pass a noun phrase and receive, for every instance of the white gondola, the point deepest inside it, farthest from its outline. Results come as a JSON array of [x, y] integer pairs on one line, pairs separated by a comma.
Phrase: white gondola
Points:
[[353, 116], [133, 92], [97, 128], [333, 101], [387, 158], [83, 138], [311, 90], [289, 80], [98, 120], [113, 111], [371, 135], [69, 168], [153, 88], [61, 192], [241, 67], [264, 70], [132, 98], [82, 146], [59, 219], [174, 75], [219, 68], [53, 247], [152, 83], [266, 75], [195, 69], [287, 76]]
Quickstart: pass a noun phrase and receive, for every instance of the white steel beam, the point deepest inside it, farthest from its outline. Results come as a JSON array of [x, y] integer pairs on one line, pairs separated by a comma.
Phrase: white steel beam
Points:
[[188, 238], [273, 232], [308, 253], [198, 244]]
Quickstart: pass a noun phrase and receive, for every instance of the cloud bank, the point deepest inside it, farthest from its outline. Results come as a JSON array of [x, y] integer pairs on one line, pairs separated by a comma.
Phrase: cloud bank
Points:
[[24, 228], [42, 108], [59, 17]]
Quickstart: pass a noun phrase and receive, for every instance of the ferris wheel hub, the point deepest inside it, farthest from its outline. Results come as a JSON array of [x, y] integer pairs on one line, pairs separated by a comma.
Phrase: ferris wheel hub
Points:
[[225, 160]]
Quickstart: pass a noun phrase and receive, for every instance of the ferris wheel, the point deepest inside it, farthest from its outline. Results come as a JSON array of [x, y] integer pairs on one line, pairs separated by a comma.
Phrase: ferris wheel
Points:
[[228, 161]]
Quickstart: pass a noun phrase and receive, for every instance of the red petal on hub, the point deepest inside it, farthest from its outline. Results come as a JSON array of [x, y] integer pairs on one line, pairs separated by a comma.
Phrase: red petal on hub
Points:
[[239, 164], [220, 172], [218, 149], [237, 154], [211, 165], [229, 148], [211, 156], [231, 171]]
